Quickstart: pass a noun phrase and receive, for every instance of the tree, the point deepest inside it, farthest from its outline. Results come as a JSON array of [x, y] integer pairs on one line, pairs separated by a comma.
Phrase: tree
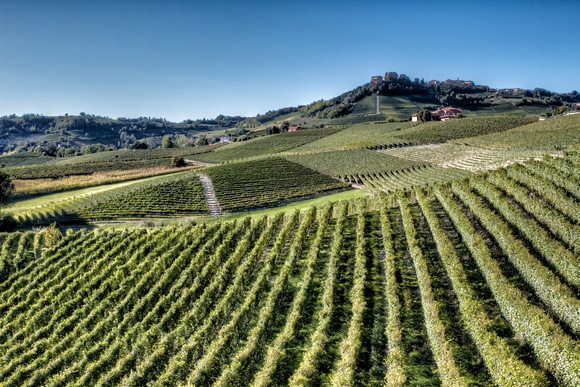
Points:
[[167, 142], [6, 188], [138, 145], [202, 140], [178, 161]]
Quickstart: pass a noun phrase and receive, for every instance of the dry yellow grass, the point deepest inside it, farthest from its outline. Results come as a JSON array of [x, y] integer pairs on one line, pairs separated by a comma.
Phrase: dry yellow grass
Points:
[[41, 186]]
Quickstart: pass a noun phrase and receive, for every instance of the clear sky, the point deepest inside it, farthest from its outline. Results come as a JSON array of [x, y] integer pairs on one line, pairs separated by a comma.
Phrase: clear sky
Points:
[[194, 59]]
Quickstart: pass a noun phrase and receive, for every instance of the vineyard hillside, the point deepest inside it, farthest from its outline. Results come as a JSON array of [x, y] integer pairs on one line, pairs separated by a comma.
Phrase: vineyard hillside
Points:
[[475, 281]]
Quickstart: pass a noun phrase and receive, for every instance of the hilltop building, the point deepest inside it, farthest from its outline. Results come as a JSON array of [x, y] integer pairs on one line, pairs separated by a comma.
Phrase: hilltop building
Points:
[[377, 79], [434, 82], [459, 82], [393, 76]]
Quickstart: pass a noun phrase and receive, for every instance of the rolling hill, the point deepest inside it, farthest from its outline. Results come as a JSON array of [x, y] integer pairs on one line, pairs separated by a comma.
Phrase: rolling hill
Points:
[[438, 253]]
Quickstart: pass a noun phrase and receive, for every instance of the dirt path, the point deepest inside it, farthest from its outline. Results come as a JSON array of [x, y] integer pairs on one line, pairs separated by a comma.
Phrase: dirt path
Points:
[[199, 163], [212, 203]]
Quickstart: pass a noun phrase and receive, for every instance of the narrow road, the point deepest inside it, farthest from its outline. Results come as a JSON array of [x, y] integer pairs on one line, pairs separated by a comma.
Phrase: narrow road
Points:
[[212, 203], [378, 105]]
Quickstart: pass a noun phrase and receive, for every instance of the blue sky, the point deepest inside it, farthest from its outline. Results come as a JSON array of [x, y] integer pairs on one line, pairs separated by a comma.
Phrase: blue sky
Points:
[[193, 59]]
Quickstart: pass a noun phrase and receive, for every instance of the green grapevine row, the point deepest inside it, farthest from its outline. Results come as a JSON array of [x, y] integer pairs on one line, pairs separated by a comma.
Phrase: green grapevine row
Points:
[[550, 343], [319, 338], [505, 368], [442, 352]]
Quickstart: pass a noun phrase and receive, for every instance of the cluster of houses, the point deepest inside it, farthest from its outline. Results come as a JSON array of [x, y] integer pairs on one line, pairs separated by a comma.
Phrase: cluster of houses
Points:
[[443, 114], [391, 75], [451, 82]]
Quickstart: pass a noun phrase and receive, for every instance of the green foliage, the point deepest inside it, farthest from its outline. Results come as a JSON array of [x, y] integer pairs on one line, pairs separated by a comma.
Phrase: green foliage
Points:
[[442, 131], [202, 140], [178, 161], [553, 133], [293, 300], [356, 136], [57, 171], [160, 196], [266, 145], [184, 196], [351, 162], [6, 188], [167, 142], [442, 352], [392, 181], [266, 182]]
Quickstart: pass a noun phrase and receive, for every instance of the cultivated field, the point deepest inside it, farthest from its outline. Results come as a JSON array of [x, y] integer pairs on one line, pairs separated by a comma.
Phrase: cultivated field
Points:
[[350, 162], [474, 282], [436, 274], [266, 145], [267, 182], [470, 158]]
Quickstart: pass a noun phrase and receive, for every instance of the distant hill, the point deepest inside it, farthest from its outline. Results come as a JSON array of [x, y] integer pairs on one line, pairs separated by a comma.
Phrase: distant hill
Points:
[[392, 98]]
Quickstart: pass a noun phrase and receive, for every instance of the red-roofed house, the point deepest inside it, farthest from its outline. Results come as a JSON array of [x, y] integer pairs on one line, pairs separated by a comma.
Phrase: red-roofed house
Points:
[[295, 128], [444, 114]]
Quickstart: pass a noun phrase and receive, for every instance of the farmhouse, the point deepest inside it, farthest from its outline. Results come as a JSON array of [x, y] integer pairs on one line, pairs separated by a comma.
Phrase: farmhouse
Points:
[[442, 114], [295, 128], [226, 138]]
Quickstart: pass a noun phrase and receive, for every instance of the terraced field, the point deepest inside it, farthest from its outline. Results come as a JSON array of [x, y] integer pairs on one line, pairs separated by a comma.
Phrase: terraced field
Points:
[[404, 179], [465, 157], [470, 283], [352, 162], [555, 133], [385, 135], [265, 146], [160, 194], [267, 182]]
